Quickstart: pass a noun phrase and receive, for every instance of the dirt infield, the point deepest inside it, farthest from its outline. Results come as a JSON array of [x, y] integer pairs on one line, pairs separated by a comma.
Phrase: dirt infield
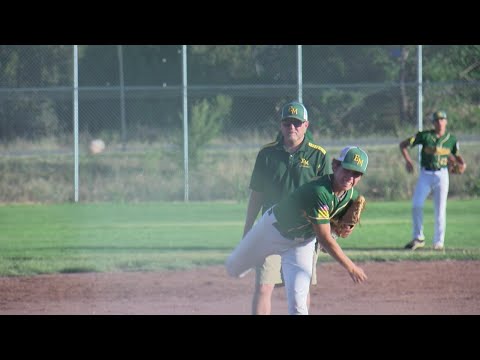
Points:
[[447, 287]]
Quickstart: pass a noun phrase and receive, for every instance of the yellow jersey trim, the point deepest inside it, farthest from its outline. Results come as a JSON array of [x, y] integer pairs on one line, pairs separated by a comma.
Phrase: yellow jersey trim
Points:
[[317, 147]]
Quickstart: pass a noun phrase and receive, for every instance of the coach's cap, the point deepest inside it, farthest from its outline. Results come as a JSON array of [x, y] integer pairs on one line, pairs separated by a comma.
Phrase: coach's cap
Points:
[[354, 158], [295, 110], [439, 115]]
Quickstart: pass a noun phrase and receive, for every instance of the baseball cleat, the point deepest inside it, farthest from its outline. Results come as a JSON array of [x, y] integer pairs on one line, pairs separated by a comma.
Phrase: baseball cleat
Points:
[[415, 244]]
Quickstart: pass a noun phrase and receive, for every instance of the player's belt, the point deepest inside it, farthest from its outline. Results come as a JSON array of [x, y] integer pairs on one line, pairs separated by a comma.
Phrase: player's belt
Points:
[[288, 236], [432, 169], [283, 233]]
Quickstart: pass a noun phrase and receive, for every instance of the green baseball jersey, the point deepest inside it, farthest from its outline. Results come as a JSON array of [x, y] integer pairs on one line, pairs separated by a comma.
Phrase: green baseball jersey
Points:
[[312, 203], [435, 150], [277, 173]]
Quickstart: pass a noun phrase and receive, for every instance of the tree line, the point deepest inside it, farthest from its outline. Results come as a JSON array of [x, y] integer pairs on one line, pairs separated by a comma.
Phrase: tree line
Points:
[[346, 87]]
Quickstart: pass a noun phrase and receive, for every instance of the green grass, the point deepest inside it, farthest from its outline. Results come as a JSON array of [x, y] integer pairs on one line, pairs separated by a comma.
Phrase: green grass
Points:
[[67, 238], [386, 227]]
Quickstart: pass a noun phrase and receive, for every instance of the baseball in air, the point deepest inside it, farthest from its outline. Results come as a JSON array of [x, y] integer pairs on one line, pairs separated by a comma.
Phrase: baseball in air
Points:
[[96, 146]]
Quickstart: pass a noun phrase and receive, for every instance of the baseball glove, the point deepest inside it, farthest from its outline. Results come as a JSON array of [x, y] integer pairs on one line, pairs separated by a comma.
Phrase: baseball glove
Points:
[[454, 167], [350, 219]]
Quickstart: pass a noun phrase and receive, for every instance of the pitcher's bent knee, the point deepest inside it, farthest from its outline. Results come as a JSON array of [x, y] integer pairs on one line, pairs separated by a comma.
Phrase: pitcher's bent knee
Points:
[[230, 267], [234, 270]]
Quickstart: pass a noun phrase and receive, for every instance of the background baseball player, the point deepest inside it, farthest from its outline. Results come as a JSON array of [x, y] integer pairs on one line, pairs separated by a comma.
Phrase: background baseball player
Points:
[[438, 147], [280, 167], [290, 227]]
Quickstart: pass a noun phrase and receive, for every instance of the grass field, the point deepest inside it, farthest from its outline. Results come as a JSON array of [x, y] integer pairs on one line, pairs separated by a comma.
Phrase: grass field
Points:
[[69, 238]]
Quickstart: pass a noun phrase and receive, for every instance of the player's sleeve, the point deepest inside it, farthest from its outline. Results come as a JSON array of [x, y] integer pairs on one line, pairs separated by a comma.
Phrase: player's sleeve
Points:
[[456, 148], [416, 139], [325, 166], [320, 213], [257, 180]]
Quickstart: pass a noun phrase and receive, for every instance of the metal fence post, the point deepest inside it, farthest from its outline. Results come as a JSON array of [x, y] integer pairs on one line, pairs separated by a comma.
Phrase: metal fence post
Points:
[[75, 117], [185, 118], [420, 99], [299, 73], [122, 97]]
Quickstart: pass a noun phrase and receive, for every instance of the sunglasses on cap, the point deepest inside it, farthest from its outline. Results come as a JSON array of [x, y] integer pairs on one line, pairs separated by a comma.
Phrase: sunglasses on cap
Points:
[[294, 122]]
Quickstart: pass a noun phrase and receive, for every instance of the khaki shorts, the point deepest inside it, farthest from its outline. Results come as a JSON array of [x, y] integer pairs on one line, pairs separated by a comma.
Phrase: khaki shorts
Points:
[[270, 273]]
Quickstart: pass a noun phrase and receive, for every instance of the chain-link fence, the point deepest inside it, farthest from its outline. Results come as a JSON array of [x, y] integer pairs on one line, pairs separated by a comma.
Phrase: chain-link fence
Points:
[[132, 98]]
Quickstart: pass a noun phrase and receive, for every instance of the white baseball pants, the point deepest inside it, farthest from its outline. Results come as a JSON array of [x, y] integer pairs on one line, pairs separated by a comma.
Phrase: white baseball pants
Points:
[[436, 182], [264, 240]]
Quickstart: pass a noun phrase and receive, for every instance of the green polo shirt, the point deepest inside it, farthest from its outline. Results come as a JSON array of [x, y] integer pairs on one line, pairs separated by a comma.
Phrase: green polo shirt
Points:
[[277, 173], [312, 203], [435, 151]]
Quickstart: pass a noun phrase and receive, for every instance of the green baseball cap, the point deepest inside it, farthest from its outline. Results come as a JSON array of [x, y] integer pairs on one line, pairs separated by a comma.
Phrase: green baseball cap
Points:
[[439, 115], [295, 110], [354, 158]]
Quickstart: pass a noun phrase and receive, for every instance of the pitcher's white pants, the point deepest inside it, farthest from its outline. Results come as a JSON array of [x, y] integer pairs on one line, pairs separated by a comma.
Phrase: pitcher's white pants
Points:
[[436, 182], [264, 240]]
